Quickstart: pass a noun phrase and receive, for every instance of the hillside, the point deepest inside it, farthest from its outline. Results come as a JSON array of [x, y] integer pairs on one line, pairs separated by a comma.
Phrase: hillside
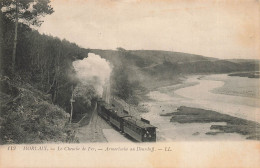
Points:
[[29, 116], [205, 66], [151, 60], [156, 67], [143, 58]]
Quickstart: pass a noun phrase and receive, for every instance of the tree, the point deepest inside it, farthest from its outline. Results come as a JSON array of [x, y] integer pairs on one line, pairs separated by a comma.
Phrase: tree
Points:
[[28, 12], [121, 49], [121, 85], [1, 38]]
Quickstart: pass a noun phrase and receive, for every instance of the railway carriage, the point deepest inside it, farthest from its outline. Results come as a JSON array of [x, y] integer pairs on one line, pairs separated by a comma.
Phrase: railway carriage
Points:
[[105, 111], [140, 130], [117, 120], [100, 103]]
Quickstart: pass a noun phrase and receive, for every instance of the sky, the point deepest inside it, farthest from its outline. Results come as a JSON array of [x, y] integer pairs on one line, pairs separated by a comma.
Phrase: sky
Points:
[[215, 28]]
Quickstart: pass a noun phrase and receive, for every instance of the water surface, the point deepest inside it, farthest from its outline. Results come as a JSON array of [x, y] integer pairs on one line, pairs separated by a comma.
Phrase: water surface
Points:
[[200, 94]]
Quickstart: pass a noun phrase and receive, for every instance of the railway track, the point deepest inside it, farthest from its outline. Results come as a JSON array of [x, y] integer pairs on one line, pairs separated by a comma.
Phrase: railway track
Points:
[[93, 132]]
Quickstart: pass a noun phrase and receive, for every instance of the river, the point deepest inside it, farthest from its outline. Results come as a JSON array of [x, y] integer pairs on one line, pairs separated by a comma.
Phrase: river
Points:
[[200, 94]]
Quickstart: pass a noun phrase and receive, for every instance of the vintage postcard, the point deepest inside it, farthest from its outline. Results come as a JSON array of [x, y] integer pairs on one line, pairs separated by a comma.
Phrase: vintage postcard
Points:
[[130, 83]]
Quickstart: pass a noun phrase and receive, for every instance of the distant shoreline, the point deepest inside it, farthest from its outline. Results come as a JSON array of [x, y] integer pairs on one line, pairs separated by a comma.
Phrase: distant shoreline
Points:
[[253, 74]]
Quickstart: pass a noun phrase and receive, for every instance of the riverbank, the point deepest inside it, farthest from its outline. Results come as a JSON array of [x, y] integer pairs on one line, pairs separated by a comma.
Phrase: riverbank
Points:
[[232, 124]]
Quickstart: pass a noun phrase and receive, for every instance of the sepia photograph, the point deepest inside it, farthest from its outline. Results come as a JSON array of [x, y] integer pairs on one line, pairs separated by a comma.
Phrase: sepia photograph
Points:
[[143, 80]]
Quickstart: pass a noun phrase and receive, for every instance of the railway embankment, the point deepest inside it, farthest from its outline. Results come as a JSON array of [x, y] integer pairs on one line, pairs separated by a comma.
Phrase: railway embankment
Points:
[[92, 131]]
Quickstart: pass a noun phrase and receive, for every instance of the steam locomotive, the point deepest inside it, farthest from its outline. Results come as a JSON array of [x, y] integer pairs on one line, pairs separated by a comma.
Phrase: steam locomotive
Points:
[[139, 130]]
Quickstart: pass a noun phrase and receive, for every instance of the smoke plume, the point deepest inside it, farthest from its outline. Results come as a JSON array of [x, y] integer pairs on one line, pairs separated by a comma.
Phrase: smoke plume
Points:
[[93, 70]]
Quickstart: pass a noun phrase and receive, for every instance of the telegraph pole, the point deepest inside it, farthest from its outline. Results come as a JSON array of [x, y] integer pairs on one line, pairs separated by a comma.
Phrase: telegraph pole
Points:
[[71, 104]]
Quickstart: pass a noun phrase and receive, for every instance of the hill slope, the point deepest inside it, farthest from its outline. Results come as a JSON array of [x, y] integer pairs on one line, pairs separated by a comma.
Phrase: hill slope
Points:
[[167, 64], [29, 116]]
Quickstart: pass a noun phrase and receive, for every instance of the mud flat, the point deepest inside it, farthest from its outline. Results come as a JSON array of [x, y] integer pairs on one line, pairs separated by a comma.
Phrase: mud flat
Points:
[[237, 85], [232, 101], [248, 128]]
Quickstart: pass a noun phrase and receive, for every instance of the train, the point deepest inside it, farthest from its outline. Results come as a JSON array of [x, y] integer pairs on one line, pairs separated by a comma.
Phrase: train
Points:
[[139, 130]]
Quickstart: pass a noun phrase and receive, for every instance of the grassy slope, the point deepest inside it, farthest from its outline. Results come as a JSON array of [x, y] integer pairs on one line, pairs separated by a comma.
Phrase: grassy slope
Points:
[[28, 116]]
